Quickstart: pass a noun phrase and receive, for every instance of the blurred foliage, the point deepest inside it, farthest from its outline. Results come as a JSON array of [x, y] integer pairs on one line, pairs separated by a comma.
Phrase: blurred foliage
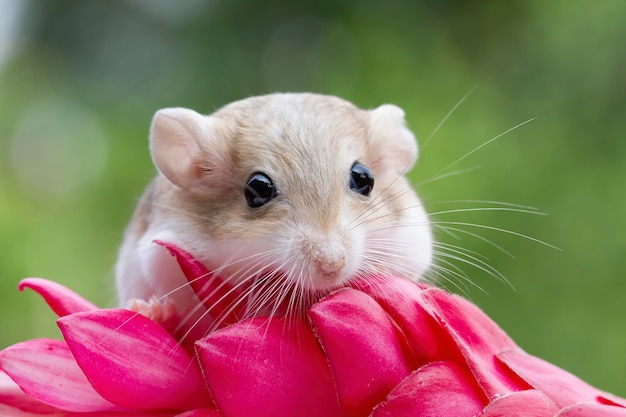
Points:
[[83, 79]]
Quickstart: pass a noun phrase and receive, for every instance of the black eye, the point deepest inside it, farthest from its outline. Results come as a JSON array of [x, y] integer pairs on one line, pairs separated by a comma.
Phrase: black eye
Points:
[[259, 190], [361, 179]]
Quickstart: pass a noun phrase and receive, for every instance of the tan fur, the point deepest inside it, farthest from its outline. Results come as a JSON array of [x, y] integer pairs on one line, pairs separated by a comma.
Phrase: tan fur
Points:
[[322, 233]]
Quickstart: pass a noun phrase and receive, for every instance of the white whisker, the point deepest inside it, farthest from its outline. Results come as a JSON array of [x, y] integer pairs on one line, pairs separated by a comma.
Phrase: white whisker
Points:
[[450, 230], [441, 176], [498, 229], [467, 210], [456, 106], [517, 126]]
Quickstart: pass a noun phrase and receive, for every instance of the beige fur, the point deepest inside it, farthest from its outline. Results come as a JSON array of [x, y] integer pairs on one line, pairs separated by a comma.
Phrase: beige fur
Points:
[[317, 233]]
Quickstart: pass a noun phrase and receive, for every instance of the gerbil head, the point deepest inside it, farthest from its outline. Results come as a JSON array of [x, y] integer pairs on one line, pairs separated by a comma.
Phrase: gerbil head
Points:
[[301, 191]]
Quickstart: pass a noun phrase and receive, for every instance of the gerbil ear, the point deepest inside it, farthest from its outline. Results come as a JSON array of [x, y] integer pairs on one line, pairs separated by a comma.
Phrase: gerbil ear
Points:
[[394, 146], [183, 146]]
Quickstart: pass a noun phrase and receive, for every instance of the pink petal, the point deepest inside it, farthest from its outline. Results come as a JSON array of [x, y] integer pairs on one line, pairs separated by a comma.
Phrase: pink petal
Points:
[[610, 399], [46, 371], [61, 300], [470, 323], [592, 410], [439, 389], [401, 300], [362, 348], [268, 368], [14, 401], [478, 339], [562, 387], [8, 411], [132, 361], [530, 403], [206, 412], [219, 297], [441, 326]]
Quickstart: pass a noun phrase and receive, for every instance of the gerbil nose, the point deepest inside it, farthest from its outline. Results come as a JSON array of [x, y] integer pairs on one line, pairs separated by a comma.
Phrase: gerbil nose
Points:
[[331, 263], [327, 257]]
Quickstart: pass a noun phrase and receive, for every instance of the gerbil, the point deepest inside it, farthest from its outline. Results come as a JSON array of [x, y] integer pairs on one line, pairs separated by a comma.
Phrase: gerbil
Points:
[[304, 188]]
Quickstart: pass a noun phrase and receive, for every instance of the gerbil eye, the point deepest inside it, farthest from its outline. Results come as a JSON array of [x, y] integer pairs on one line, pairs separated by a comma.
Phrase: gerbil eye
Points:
[[259, 190], [361, 179]]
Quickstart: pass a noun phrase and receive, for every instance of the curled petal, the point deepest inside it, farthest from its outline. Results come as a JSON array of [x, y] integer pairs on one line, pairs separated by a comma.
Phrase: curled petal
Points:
[[61, 300], [469, 323], [15, 402], [530, 403], [266, 368], [362, 347], [441, 326], [8, 411], [560, 386], [435, 390], [592, 410], [46, 371], [218, 296], [401, 299], [132, 361], [610, 399], [477, 338]]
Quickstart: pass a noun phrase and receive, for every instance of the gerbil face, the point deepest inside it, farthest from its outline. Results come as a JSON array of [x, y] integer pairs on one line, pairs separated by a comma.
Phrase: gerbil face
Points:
[[301, 188]]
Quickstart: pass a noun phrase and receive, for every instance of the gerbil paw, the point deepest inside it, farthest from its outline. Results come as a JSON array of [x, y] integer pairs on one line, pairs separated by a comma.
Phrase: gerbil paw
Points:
[[162, 311]]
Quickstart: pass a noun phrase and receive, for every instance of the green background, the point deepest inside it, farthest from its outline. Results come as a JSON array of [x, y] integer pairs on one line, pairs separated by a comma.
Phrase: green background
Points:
[[83, 79]]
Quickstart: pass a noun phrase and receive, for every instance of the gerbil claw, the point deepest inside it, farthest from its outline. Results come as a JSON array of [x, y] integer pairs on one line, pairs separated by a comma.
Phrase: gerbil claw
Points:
[[162, 311]]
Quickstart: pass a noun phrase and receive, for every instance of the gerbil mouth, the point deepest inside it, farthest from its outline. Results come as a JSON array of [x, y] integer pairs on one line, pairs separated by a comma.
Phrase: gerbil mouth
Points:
[[330, 280], [276, 293]]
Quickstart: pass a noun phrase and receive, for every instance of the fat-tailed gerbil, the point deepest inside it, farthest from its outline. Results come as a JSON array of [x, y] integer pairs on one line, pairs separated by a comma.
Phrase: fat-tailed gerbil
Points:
[[304, 188]]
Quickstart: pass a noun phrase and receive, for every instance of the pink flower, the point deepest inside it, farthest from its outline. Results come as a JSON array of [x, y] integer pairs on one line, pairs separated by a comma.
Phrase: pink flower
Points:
[[384, 347]]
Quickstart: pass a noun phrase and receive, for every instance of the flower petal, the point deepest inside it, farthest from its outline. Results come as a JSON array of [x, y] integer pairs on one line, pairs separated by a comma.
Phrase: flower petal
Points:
[[592, 410], [8, 411], [46, 371], [132, 361], [61, 300], [435, 390], [478, 339], [560, 386], [610, 399], [530, 403], [268, 368], [401, 300], [205, 412], [441, 326], [218, 296], [15, 402], [362, 348]]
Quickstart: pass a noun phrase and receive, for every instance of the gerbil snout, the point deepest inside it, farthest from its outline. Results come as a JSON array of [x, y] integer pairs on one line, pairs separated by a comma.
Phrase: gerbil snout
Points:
[[327, 255]]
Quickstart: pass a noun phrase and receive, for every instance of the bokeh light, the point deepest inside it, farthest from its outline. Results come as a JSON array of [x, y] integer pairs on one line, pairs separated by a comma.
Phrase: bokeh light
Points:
[[10, 20], [58, 148]]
